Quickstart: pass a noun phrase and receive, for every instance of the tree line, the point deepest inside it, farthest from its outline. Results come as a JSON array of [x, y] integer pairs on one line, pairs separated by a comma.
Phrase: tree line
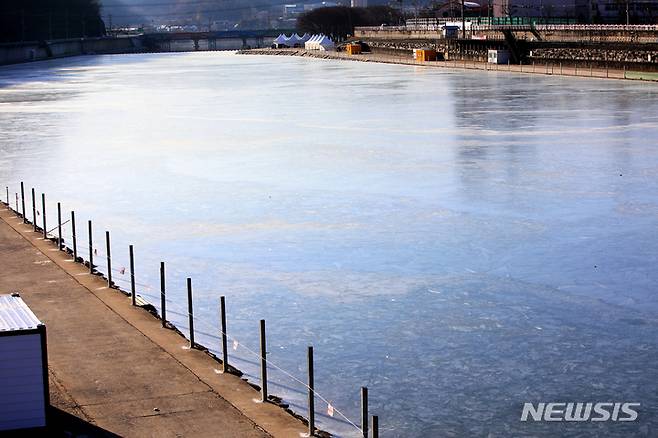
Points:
[[36, 20], [338, 22]]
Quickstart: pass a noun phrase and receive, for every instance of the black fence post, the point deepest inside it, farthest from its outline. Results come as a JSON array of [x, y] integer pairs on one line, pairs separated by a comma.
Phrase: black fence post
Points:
[[375, 426], [132, 275], [311, 394], [59, 226], [163, 299], [190, 311], [73, 236], [23, 201], [43, 215], [7, 187], [91, 249], [34, 210], [109, 259], [222, 311], [364, 411], [263, 362]]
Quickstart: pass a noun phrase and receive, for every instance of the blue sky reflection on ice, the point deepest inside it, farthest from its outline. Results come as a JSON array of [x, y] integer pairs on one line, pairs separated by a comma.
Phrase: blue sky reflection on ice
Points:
[[459, 242]]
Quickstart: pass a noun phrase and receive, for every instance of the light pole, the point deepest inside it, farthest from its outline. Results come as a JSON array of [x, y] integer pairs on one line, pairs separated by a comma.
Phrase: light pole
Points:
[[463, 22]]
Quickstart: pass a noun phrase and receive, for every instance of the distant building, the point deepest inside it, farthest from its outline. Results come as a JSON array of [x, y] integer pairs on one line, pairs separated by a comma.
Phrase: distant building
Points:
[[359, 3], [618, 11], [535, 8], [586, 11], [290, 11]]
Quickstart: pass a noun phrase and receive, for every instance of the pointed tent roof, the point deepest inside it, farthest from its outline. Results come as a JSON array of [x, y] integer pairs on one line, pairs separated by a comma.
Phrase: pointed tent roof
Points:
[[281, 39], [325, 41]]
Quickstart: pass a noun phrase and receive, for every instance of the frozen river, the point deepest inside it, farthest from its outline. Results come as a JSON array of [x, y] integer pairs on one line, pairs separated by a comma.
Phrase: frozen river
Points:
[[459, 242]]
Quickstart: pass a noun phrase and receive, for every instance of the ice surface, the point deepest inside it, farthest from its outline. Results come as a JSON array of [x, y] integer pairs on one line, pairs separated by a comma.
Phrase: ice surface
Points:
[[459, 242]]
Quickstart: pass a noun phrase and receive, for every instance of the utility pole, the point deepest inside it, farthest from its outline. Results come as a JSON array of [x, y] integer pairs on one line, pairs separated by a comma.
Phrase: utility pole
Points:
[[463, 22], [628, 18]]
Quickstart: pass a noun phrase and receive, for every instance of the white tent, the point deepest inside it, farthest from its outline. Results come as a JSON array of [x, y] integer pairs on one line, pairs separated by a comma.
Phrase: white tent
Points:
[[294, 40], [319, 42], [325, 43], [281, 41], [308, 45]]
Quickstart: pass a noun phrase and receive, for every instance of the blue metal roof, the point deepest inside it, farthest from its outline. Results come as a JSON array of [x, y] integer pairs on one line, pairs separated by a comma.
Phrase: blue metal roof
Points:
[[15, 315]]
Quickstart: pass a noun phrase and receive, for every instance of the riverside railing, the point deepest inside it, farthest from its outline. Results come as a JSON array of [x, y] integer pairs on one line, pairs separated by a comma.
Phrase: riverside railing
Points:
[[364, 429]]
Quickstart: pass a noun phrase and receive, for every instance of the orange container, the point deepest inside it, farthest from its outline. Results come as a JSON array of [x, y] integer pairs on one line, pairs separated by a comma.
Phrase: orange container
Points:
[[353, 49], [425, 55]]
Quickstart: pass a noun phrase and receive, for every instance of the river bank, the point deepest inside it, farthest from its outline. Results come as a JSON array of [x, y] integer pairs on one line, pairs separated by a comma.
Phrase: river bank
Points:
[[28, 51], [113, 368], [406, 59]]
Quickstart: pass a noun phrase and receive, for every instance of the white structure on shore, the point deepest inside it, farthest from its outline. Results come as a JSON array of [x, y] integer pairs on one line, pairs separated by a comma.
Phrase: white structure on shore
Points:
[[359, 3], [293, 40], [320, 42]]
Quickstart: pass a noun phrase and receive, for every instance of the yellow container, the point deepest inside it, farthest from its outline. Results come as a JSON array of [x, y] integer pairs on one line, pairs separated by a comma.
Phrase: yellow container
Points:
[[353, 49], [425, 55]]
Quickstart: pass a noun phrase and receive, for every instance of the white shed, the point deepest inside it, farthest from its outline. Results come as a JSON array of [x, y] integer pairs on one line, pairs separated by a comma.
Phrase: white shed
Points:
[[498, 56], [24, 395]]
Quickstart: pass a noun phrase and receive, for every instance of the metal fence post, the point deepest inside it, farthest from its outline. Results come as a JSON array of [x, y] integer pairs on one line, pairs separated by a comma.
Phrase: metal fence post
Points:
[[163, 299], [375, 426], [91, 249], [109, 259], [34, 210], [73, 236], [364, 411], [7, 187], [222, 311], [190, 311], [43, 207], [263, 362], [132, 275], [59, 226], [311, 394], [23, 201]]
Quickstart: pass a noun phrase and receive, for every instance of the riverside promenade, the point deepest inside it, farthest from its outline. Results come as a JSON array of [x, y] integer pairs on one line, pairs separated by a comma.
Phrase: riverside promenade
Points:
[[113, 369], [552, 69]]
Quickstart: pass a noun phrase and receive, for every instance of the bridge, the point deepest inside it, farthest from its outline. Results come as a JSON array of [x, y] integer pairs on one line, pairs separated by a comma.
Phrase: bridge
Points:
[[217, 40]]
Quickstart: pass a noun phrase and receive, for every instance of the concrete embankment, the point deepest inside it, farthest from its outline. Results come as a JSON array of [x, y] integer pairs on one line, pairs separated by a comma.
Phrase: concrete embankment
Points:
[[114, 370], [407, 59], [15, 53]]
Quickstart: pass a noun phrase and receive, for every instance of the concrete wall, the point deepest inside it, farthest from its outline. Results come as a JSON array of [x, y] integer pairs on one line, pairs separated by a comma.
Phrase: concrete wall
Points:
[[565, 33], [14, 53]]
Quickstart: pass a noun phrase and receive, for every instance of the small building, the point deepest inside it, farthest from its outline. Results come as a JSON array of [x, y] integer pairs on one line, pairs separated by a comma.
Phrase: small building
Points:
[[451, 31], [424, 54], [353, 49], [24, 394], [498, 56]]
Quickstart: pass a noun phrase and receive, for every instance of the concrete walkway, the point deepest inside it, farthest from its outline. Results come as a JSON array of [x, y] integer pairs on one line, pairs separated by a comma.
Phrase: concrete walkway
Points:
[[552, 69], [113, 366]]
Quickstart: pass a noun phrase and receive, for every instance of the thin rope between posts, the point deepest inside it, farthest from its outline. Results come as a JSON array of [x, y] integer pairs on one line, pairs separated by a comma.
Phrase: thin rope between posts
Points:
[[201, 322]]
